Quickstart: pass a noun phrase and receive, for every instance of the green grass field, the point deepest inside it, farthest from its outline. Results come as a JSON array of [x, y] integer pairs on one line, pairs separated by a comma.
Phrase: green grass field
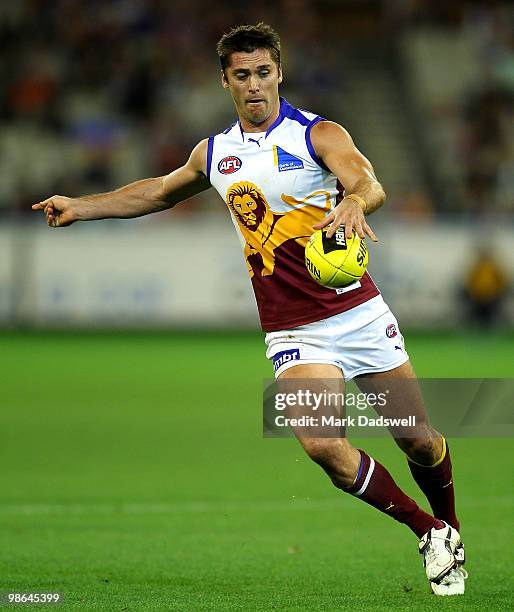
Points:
[[134, 476]]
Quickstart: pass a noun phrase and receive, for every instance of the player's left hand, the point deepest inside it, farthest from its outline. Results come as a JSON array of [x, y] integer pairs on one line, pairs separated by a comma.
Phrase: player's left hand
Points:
[[349, 214]]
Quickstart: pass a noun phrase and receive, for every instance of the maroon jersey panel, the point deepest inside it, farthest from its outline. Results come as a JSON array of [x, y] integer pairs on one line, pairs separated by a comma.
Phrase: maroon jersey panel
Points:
[[289, 297]]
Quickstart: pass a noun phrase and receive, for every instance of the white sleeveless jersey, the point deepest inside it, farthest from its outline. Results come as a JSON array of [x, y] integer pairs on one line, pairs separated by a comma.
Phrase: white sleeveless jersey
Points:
[[276, 189]]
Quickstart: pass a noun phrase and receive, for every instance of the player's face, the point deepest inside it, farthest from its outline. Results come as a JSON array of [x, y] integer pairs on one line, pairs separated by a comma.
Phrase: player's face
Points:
[[246, 206], [253, 80]]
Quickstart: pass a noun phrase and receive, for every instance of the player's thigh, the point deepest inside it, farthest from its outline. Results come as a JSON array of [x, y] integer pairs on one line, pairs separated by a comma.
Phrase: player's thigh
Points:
[[403, 400], [327, 445]]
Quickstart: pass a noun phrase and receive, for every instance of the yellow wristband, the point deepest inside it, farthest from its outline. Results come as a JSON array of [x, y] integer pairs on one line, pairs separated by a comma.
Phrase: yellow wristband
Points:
[[356, 198]]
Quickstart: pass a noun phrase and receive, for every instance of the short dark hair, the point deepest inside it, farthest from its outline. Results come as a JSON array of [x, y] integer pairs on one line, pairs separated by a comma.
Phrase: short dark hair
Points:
[[247, 38]]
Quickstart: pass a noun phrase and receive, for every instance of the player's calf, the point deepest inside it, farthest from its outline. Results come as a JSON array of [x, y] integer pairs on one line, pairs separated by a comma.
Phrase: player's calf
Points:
[[336, 456]]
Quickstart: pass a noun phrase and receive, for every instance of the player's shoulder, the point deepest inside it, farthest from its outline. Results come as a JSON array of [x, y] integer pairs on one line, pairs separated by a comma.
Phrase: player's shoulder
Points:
[[198, 159], [326, 132], [331, 128]]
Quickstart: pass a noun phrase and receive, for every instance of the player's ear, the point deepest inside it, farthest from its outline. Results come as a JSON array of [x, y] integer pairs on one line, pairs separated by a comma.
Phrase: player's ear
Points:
[[280, 74], [224, 81]]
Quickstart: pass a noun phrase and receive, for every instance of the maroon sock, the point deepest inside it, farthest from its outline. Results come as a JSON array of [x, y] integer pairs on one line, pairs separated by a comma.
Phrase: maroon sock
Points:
[[437, 484], [376, 487]]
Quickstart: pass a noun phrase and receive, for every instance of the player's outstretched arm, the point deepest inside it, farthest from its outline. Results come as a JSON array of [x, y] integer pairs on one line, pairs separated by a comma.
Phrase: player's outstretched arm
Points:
[[363, 193], [134, 200]]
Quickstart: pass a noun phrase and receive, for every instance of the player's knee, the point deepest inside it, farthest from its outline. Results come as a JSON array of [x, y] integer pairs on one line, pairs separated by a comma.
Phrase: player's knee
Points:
[[425, 450]]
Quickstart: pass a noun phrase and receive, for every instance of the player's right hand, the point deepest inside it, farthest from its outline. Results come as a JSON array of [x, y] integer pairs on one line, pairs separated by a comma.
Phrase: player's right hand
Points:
[[58, 210]]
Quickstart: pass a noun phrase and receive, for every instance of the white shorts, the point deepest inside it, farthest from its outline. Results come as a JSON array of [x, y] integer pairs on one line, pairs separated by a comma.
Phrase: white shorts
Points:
[[362, 340]]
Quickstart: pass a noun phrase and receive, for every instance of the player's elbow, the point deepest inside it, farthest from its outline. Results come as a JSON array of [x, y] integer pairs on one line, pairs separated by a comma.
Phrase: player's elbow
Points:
[[380, 195], [383, 196], [164, 197]]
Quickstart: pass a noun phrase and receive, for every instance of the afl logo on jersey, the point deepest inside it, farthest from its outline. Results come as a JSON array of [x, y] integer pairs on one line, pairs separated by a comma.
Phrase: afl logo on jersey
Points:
[[229, 164]]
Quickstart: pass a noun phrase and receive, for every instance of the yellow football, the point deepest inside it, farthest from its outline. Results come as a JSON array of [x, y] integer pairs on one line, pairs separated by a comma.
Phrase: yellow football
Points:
[[337, 261]]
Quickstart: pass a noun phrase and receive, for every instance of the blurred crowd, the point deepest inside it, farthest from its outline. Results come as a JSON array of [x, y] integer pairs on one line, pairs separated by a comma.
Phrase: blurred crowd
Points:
[[488, 111], [97, 94]]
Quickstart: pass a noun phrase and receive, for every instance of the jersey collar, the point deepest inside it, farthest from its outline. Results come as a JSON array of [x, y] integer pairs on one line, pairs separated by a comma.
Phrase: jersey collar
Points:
[[285, 110]]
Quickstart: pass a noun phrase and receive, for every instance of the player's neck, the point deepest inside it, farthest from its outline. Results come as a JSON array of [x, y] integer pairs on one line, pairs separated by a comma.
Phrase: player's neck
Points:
[[247, 126]]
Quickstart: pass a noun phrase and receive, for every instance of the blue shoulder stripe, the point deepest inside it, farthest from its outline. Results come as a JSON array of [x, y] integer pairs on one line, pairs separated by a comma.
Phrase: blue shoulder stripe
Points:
[[297, 115], [210, 145], [289, 112], [308, 142]]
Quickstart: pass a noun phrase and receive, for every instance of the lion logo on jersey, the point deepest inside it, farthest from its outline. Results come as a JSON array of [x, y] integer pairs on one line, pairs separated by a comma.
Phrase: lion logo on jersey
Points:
[[247, 204], [263, 230]]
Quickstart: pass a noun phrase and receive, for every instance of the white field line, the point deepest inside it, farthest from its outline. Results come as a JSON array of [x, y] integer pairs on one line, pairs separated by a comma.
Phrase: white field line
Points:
[[199, 507], [218, 507]]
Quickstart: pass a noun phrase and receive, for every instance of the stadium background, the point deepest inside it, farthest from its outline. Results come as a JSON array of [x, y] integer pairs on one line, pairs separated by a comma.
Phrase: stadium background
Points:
[[134, 474]]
